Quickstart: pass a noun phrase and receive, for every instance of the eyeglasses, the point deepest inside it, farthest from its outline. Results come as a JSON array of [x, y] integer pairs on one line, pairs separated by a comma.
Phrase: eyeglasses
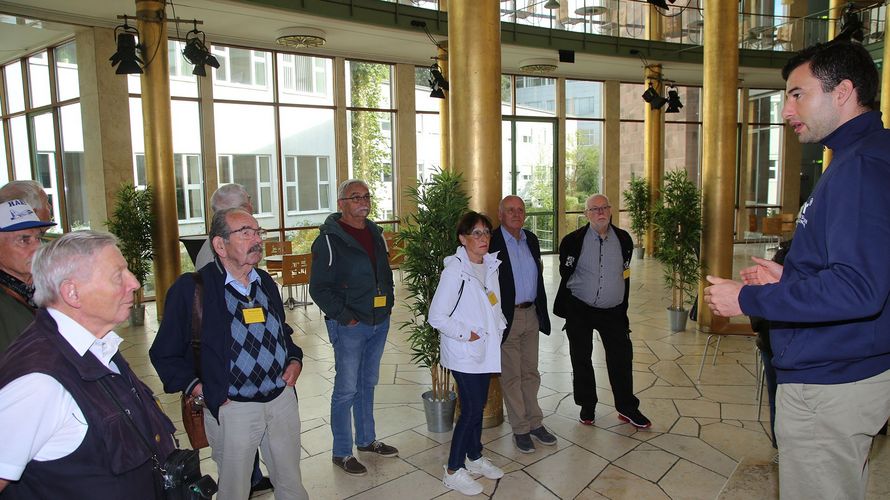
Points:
[[479, 233], [247, 232], [599, 210], [357, 199]]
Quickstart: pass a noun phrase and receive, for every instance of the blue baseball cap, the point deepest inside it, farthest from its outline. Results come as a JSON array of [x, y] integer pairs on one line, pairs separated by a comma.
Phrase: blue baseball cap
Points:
[[16, 215]]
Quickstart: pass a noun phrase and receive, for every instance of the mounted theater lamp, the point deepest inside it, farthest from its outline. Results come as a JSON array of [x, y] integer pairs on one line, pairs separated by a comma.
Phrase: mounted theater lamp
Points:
[[651, 96], [126, 60], [195, 52], [673, 101], [438, 83]]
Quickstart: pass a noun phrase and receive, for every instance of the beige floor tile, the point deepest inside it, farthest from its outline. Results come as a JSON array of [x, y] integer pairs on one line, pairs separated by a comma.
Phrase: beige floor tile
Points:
[[604, 443], [567, 472], [696, 451], [519, 484], [650, 464], [698, 408], [417, 485], [737, 442], [618, 484], [687, 480], [670, 371], [686, 426]]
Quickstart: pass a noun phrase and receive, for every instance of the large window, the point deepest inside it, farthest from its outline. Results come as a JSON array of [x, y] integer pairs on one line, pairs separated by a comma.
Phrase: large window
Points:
[[584, 143], [764, 169], [45, 135]]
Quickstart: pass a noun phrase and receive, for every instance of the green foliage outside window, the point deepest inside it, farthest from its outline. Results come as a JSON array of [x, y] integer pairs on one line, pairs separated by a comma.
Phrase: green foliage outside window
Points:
[[370, 150]]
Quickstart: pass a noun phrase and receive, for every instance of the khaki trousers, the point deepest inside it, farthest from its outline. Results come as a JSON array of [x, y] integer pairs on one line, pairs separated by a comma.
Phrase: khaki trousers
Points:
[[520, 378], [825, 434], [274, 428]]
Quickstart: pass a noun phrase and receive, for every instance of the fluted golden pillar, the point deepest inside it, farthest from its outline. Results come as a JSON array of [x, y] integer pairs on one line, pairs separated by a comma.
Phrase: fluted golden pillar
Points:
[[885, 86], [835, 10], [157, 124], [474, 69], [653, 147], [719, 116], [444, 121], [474, 72]]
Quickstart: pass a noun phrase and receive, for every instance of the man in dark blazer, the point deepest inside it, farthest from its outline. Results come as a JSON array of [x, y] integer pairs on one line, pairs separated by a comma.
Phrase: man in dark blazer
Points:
[[524, 304]]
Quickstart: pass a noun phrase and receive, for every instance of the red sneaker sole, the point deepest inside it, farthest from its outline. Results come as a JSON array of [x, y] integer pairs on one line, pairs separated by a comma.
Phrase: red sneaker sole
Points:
[[631, 422]]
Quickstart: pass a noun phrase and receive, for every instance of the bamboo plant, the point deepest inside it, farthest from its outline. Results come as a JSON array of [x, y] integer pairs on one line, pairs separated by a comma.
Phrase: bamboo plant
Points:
[[678, 227], [132, 221], [425, 239], [637, 201]]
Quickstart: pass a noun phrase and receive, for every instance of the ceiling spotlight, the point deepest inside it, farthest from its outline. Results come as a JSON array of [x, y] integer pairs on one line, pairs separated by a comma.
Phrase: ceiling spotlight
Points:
[[661, 4], [195, 52], [673, 101], [658, 102], [438, 83], [650, 94], [551, 4], [126, 60], [301, 37]]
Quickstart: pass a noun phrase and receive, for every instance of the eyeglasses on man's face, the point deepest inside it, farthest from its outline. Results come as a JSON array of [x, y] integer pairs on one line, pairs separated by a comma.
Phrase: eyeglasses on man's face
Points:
[[27, 240], [247, 232], [599, 210], [479, 233], [358, 199]]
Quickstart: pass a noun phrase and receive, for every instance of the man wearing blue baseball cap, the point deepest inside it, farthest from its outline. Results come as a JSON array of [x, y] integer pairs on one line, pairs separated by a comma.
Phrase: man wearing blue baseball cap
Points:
[[20, 232]]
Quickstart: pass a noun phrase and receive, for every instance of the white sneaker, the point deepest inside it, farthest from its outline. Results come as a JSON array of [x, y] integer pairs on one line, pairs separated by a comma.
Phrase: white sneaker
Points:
[[462, 482], [484, 467]]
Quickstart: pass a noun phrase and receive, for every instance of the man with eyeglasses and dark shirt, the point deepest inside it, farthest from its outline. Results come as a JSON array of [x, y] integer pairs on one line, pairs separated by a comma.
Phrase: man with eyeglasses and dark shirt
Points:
[[248, 363], [351, 282], [20, 233], [594, 263]]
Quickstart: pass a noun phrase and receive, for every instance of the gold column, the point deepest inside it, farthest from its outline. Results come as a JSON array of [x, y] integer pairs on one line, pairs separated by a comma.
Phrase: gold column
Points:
[[653, 146], [612, 145], [835, 9], [474, 68], [406, 142], [444, 134], [719, 115], [157, 123], [885, 85], [341, 127]]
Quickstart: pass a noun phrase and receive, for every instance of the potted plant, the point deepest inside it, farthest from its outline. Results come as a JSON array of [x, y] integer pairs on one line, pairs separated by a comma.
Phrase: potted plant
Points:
[[637, 200], [678, 227], [425, 239], [132, 221]]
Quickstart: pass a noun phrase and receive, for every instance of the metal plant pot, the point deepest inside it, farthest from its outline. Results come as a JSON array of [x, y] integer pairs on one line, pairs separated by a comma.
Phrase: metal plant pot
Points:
[[137, 315], [677, 318], [439, 412]]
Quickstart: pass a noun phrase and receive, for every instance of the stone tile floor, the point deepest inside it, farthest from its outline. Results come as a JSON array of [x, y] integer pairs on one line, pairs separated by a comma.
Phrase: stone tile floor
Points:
[[707, 439]]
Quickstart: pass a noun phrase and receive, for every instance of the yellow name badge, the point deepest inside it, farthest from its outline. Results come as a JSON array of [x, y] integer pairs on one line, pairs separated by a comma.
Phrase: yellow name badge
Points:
[[492, 298], [253, 315], [626, 273], [380, 301]]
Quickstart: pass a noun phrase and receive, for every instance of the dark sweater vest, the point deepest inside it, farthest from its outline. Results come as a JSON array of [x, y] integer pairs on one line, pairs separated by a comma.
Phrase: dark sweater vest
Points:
[[111, 462]]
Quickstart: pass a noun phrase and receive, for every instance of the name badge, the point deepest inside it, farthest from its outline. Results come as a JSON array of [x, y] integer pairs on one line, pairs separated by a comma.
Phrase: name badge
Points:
[[626, 273], [380, 301], [253, 315], [492, 298]]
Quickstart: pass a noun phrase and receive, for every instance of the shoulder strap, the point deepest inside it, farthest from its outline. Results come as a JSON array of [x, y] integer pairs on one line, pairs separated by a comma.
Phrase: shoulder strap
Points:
[[197, 317], [459, 294], [129, 419]]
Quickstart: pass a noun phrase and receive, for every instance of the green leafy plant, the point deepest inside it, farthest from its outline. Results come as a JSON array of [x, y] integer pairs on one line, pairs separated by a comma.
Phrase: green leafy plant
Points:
[[678, 227], [425, 239], [637, 200], [132, 221]]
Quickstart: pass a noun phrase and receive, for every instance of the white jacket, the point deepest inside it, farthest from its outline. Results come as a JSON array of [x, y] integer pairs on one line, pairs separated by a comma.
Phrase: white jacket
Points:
[[460, 306]]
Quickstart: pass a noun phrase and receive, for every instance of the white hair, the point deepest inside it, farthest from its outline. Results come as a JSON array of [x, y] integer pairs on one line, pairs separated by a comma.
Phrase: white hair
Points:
[[229, 196], [31, 192], [341, 191], [597, 195], [64, 259]]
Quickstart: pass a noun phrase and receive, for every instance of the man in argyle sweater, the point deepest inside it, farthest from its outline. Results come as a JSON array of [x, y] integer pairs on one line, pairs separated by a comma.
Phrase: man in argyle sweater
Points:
[[248, 363]]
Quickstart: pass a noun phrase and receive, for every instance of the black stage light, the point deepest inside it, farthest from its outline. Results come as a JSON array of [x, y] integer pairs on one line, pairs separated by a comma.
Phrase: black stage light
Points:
[[438, 79], [126, 60], [851, 26], [437, 92], [650, 94], [661, 4], [195, 52], [673, 101], [658, 102]]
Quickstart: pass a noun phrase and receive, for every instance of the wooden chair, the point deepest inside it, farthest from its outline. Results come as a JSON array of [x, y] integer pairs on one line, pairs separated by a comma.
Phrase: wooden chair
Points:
[[772, 229], [395, 256], [789, 224], [295, 272], [277, 248]]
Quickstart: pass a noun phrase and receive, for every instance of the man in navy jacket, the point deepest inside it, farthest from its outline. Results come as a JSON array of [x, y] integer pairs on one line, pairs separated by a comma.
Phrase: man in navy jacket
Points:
[[524, 304], [830, 331]]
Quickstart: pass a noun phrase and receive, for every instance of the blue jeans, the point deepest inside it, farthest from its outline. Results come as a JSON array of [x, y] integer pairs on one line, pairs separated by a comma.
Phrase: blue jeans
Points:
[[357, 353], [466, 442]]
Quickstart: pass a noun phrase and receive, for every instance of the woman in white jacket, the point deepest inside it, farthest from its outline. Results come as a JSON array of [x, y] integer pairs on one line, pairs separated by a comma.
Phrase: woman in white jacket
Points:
[[466, 311]]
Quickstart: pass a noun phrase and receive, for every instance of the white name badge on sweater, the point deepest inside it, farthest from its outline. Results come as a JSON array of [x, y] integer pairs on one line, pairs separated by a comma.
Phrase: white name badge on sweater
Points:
[[253, 315]]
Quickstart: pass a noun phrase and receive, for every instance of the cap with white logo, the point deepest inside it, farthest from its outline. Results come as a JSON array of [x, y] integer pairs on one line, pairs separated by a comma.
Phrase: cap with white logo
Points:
[[16, 215]]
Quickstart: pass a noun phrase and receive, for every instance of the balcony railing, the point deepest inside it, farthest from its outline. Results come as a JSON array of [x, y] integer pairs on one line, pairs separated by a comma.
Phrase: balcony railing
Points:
[[682, 23]]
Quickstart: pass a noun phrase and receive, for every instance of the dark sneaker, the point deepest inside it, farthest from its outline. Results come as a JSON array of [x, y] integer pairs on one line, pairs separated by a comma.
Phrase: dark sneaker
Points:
[[524, 443], [350, 465], [543, 436], [635, 418], [378, 447], [262, 485], [588, 415]]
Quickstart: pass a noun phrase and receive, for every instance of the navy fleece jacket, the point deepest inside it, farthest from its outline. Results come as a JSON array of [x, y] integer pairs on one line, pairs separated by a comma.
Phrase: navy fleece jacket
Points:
[[830, 312]]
